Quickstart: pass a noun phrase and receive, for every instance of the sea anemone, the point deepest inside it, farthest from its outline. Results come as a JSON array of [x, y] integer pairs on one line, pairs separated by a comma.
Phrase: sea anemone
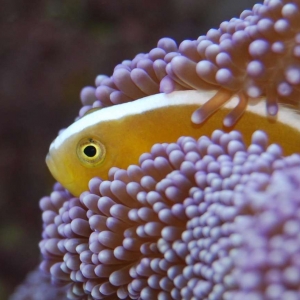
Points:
[[254, 56], [37, 286], [180, 224], [267, 266], [210, 218]]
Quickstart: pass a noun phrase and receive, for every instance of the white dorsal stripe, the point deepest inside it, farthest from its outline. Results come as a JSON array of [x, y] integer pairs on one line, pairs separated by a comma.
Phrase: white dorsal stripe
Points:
[[119, 111], [198, 97]]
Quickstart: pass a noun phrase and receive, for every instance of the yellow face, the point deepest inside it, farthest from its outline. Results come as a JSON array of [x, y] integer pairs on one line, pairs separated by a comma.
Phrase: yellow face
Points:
[[78, 158], [75, 157]]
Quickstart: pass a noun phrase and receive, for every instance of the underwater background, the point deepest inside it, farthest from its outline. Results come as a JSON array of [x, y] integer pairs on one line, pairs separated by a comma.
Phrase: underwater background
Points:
[[49, 50]]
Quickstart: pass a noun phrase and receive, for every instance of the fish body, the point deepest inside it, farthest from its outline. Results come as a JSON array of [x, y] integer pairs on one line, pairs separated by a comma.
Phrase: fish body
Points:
[[121, 133]]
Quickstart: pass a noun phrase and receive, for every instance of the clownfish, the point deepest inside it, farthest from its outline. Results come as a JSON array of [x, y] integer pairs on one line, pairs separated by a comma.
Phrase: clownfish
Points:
[[116, 136]]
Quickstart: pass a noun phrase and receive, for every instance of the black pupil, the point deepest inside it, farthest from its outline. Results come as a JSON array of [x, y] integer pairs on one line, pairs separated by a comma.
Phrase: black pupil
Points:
[[90, 151]]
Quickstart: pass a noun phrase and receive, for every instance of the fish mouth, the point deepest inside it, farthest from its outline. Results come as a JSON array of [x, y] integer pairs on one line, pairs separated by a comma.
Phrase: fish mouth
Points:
[[57, 169]]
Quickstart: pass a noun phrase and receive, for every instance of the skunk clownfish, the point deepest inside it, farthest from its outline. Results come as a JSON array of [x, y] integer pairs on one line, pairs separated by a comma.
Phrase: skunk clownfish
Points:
[[116, 136]]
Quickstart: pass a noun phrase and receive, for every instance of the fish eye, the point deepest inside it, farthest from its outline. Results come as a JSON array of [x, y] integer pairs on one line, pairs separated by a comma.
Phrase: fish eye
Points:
[[91, 152]]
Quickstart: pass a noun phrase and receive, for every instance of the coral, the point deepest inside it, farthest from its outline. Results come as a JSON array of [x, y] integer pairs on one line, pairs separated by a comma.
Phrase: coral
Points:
[[252, 56], [181, 224]]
